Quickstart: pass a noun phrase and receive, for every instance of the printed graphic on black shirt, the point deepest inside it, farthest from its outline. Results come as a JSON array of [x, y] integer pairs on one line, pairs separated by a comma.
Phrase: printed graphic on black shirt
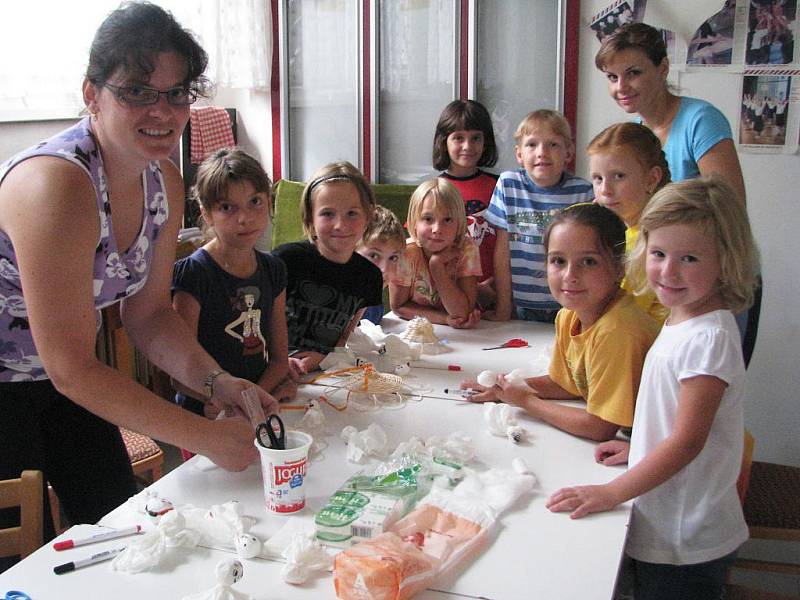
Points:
[[318, 315], [247, 326]]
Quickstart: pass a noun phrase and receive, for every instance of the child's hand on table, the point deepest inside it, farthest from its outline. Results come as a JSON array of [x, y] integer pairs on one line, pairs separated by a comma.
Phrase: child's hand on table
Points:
[[286, 390], [516, 394], [583, 500], [467, 323], [304, 362], [612, 452], [484, 394]]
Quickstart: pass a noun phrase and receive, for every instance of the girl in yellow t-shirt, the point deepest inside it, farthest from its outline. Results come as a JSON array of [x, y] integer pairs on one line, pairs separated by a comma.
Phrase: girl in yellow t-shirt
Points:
[[602, 335]]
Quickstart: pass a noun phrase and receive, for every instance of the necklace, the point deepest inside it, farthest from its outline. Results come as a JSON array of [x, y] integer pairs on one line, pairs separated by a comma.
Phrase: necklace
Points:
[[235, 263]]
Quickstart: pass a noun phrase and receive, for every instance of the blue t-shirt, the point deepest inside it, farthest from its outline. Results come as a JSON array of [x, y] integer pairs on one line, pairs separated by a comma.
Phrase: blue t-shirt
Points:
[[524, 210], [698, 126]]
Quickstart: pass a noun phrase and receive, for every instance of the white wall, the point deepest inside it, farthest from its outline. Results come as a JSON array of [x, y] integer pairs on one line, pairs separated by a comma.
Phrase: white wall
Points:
[[772, 409]]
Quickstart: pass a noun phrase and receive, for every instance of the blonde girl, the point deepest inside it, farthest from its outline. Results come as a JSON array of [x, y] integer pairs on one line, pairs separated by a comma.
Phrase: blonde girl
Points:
[[232, 296], [438, 276], [602, 336], [627, 167], [696, 251], [329, 284]]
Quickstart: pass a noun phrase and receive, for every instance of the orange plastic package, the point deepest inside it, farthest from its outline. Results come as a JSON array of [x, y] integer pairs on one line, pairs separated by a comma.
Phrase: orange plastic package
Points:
[[405, 560], [382, 568]]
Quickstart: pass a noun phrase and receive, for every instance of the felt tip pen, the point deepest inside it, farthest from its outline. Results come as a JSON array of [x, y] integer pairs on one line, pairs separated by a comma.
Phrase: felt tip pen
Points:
[[98, 537], [89, 560], [466, 392], [427, 365]]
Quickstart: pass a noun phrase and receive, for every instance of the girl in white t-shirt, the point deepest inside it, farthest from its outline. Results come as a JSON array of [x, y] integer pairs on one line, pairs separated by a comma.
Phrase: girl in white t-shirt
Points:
[[696, 251]]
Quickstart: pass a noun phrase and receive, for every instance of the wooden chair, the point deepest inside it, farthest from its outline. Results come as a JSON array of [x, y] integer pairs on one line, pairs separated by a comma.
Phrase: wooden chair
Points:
[[772, 511], [25, 492], [147, 460]]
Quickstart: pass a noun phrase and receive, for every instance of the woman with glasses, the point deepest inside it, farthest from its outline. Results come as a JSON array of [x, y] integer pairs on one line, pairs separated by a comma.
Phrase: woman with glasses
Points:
[[89, 218]]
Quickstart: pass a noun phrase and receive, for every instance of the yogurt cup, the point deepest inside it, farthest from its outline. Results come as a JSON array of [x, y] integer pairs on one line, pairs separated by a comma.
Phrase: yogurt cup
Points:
[[284, 473]]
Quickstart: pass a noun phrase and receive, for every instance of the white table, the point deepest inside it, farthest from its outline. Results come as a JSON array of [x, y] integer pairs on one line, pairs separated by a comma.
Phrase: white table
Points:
[[531, 554]]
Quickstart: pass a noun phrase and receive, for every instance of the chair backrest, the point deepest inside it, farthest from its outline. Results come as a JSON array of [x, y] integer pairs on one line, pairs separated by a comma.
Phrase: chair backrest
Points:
[[27, 493]]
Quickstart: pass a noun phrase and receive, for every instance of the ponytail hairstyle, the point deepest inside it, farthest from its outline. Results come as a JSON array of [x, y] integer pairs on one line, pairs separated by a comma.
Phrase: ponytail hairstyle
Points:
[[643, 144]]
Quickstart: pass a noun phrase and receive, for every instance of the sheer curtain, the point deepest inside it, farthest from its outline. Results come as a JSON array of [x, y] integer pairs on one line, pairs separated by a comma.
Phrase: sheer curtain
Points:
[[45, 48]]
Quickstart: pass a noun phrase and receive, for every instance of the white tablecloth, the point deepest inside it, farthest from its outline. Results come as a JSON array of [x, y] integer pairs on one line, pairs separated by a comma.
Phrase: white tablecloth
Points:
[[531, 554]]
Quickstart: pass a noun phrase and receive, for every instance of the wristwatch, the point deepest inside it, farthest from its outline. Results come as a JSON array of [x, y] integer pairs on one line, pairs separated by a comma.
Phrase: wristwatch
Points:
[[208, 384]]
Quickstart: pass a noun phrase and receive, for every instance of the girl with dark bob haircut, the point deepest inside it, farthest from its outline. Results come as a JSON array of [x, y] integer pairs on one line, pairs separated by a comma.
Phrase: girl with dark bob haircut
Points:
[[464, 115]]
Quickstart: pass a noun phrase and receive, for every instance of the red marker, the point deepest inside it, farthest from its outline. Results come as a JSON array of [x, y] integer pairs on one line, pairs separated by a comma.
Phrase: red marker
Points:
[[427, 365], [98, 537]]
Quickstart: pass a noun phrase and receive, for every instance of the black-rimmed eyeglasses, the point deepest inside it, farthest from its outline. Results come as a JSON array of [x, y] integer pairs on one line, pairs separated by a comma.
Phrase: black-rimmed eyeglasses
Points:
[[140, 95]]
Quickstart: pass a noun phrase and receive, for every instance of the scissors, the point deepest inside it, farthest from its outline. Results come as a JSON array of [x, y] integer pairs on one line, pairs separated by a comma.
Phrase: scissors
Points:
[[271, 433], [17, 595]]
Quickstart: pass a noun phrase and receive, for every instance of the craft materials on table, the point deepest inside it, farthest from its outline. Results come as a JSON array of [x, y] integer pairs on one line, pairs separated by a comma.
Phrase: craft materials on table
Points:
[[283, 470], [97, 537], [228, 572], [465, 392], [444, 529], [512, 343], [93, 559], [420, 364], [272, 433], [501, 422], [367, 389]]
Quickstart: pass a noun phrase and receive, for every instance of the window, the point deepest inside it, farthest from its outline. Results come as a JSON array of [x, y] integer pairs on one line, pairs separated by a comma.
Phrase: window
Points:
[[366, 80]]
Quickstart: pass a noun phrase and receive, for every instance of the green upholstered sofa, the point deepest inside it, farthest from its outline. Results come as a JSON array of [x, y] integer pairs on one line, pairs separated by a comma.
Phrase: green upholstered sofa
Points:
[[287, 226]]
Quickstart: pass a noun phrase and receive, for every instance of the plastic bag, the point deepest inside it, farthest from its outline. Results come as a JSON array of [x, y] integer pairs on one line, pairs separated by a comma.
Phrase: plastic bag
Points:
[[441, 532], [383, 568]]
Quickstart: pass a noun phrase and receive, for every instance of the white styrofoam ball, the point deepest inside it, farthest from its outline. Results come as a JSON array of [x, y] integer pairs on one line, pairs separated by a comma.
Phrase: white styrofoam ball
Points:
[[487, 378], [247, 546]]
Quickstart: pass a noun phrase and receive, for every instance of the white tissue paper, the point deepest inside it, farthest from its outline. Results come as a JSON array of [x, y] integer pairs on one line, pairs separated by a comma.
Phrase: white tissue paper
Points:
[[218, 525], [304, 555], [367, 343], [313, 423], [371, 441], [228, 572], [500, 421], [498, 488], [146, 551]]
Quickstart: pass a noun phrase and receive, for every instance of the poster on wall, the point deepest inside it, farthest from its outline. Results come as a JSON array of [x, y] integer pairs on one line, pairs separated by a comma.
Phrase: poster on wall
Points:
[[771, 31], [619, 12], [769, 120], [713, 42], [608, 20]]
